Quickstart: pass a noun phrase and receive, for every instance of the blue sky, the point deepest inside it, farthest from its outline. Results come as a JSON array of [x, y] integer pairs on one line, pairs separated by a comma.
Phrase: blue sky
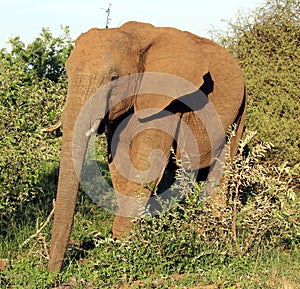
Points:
[[25, 18]]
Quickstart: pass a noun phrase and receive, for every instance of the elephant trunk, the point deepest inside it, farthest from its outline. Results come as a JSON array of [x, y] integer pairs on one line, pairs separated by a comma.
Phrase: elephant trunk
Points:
[[73, 150]]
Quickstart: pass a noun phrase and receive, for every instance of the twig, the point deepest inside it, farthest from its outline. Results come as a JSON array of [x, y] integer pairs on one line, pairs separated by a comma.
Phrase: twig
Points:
[[43, 240], [36, 234], [234, 229], [52, 128], [210, 252], [249, 132], [107, 11]]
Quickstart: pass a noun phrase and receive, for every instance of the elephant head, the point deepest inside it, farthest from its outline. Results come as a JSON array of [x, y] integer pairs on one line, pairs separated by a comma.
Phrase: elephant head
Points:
[[115, 60]]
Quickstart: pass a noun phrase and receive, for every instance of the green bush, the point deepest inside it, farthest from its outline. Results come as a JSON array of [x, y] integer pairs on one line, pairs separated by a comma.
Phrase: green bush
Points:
[[261, 211], [223, 244], [32, 93], [266, 43], [43, 58]]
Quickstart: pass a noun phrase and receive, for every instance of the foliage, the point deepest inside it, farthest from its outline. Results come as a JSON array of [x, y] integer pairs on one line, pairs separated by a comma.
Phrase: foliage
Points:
[[193, 243], [266, 43], [32, 92], [43, 58], [261, 212]]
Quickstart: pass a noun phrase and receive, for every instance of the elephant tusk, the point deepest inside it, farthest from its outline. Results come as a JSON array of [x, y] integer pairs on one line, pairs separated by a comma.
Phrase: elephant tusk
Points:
[[90, 132], [93, 128]]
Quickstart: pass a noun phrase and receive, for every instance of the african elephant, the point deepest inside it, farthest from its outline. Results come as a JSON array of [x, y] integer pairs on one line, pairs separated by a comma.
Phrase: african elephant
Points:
[[117, 61]]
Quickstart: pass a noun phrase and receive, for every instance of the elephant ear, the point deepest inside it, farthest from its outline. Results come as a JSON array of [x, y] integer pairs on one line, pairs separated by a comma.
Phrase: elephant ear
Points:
[[168, 57]]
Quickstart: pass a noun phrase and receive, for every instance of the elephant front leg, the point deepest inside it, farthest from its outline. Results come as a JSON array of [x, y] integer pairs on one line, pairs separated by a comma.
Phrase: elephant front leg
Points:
[[136, 168], [132, 198]]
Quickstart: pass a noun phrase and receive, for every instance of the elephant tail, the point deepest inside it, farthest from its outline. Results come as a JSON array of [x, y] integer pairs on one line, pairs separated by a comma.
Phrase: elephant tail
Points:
[[240, 125]]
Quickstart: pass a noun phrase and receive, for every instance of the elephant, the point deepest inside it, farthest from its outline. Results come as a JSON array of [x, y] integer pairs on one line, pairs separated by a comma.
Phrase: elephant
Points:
[[161, 79]]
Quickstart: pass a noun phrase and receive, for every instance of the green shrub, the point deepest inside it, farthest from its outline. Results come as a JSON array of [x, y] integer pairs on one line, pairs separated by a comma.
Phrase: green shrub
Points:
[[266, 43], [261, 210], [32, 92], [234, 244], [261, 214], [43, 58]]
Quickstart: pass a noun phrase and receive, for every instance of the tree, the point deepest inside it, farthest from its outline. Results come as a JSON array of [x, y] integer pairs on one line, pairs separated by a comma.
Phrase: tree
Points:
[[266, 44], [44, 57], [33, 87]]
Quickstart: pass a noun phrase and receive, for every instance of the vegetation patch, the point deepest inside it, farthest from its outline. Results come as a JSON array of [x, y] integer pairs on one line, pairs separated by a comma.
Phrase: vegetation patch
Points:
[[266, 44]]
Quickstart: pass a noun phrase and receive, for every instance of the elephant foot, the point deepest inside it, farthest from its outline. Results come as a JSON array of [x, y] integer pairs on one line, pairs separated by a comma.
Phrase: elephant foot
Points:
[[121, 226]]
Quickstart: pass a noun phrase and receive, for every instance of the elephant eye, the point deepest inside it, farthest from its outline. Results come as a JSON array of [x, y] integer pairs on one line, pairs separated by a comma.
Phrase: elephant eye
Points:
[[114, 77]]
